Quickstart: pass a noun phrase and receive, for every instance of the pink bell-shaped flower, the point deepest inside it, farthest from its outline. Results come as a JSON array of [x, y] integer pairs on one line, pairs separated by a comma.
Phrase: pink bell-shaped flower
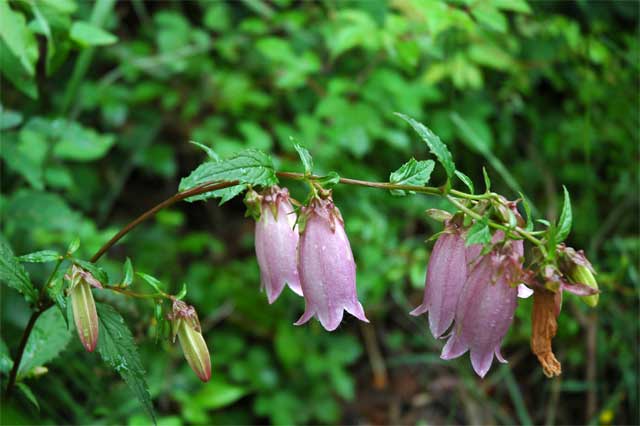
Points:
[[326, 267], [276, 238], [486, 306], [446, 275]]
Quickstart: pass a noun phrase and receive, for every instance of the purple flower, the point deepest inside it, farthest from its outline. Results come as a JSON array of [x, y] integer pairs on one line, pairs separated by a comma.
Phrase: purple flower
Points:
[[276, 242], [326, 267], [446, 275], [486, 307]]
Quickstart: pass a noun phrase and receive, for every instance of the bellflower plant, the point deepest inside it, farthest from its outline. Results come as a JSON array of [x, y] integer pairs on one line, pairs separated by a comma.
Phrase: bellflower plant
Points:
[[276, 239], [476, 271], [326, 266]]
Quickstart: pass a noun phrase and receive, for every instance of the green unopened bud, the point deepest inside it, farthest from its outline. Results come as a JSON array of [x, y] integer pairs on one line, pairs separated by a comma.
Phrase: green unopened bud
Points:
[[582, 274], [185, 325], [84, 314]]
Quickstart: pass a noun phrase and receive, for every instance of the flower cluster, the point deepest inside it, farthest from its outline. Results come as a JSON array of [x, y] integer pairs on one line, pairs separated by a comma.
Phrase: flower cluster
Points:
[[317, 264], [471, 290]]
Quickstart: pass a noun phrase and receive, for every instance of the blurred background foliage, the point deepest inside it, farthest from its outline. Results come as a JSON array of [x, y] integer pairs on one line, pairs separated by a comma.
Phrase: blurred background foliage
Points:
[[99, 103]]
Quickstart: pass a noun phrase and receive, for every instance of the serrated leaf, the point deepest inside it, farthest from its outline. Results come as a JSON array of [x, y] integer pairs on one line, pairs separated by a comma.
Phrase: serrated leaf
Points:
[[479, 233], [87, 35], [330, 180], [117, 348], [566, 218], [436, 146], [305, 157], [48, 338], [40, 256], [250, 167], [411, 173], [13, 275], [466, 180], [128, 273], [487, 181]]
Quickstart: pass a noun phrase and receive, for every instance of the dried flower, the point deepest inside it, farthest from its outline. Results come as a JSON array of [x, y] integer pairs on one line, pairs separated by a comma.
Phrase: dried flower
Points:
[[543, 328], [486, 307], [326, 267], [185, 325], [83, 306], [446, 275], [276, 239]]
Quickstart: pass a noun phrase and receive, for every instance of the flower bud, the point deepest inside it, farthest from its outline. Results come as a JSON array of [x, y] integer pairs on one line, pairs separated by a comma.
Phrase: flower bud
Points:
[[276, 239], [326, 267], [185, 325], [582, 274], [578, 269], [84, 309]]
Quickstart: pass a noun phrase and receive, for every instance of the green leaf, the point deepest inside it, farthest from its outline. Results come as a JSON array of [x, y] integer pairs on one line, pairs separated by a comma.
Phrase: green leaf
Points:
[[73, 246], [118, 350], [488, 15], [49, 337], [25, 155], [18, 38], [128, 272], [436, 146], [55, 290], [87, 35], [329, 181], [40, 256], [13, 275], [566, 218], [305, 157], [527, 211], [513, 5], [487, 181], [466, 180], [80, 143], [210, 152], [97, 272], [12, 69], [479, 233], [412, 172], [6, 363], [26, 391], [152, 281], [250, 167], [213, 395], [9, 119], [183, 292]]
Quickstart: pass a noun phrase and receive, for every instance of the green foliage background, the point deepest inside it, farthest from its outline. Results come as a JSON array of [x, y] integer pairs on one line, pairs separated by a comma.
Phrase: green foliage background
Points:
[[100, 101]]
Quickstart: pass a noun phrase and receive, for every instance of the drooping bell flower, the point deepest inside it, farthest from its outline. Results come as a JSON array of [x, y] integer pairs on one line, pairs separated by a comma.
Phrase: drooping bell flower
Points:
[[446, 275], [83, 306], [276, 238], [185, 325], [326, 267], [486, 306]]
